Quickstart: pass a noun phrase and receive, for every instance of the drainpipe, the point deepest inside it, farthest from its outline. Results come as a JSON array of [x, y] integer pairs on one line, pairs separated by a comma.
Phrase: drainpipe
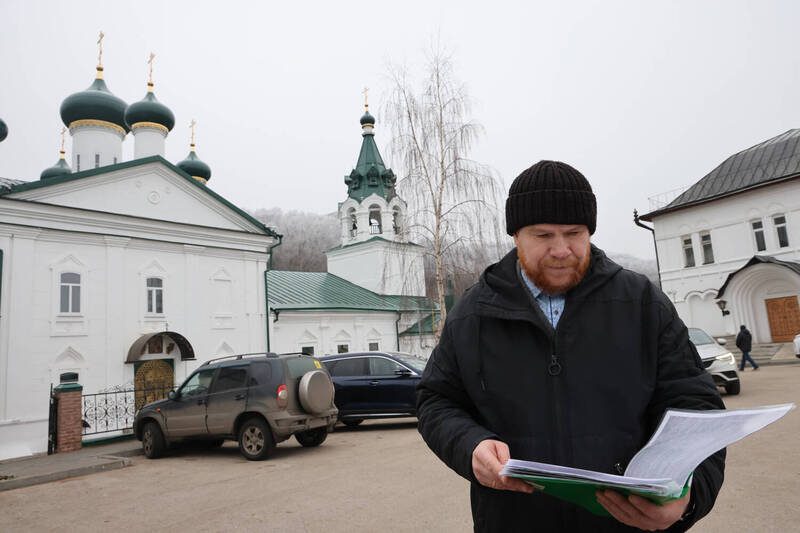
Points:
[[266, 283], [655, 246], [397, 329]]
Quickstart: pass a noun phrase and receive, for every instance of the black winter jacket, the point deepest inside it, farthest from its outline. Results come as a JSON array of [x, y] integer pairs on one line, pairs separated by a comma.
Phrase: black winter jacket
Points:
[[587, 394], [744, 341]]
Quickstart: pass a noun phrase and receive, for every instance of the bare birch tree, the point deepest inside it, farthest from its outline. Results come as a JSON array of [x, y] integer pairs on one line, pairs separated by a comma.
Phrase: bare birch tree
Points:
[[453, 201]]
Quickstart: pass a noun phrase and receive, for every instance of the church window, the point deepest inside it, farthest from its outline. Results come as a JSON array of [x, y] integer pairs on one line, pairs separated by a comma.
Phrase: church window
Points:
[[396, 220], [78, 163], [688, 251], [70, 293], [758, 235], [780, 230], [708, 250], [375, 226], [342, 348], [96, 160], [373, 347], [155, 295], [307, 350], [353, 222], [115, 160]]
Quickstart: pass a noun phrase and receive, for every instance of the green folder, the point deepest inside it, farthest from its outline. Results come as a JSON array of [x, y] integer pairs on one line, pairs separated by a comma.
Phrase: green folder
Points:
[[584, 493]]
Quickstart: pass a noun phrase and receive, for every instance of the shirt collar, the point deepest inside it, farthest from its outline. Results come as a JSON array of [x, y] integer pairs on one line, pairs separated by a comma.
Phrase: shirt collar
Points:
[[536, 291]]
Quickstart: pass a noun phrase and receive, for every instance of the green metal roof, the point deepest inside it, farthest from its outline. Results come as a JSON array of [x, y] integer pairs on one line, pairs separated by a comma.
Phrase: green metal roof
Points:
[[31, 185], [299, 291], [372, 239], [370, 175], [425, 326]]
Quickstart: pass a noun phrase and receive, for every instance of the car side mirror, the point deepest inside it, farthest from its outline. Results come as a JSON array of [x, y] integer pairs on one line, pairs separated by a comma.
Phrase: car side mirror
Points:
[[172, 395], [722, 341]]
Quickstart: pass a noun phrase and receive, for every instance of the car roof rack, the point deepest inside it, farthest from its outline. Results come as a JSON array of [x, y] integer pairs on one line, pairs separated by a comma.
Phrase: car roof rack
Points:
[[271, 355]]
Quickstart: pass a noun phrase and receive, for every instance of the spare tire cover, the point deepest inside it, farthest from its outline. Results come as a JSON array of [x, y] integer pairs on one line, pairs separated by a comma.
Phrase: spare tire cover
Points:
[[316, 391]]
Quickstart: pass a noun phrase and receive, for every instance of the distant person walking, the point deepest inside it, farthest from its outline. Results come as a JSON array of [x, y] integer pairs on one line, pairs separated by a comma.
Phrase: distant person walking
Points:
[[744, 341]]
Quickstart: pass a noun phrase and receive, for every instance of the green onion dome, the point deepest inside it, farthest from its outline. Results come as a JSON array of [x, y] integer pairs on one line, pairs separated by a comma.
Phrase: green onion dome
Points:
[[59, 169], [3, 130], [96, 103], [150, 111], [367, 119], [193, 166]]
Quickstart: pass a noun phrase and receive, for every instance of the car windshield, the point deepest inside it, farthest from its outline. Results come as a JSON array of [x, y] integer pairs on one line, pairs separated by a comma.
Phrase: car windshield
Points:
[[698, 336], [417, 364]]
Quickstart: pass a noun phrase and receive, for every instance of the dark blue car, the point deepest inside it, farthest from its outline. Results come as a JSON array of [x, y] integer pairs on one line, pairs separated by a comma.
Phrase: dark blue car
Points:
[[374, 384]]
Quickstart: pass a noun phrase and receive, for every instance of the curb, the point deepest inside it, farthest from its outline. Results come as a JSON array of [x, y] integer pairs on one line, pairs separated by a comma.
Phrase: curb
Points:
[[113, 463]]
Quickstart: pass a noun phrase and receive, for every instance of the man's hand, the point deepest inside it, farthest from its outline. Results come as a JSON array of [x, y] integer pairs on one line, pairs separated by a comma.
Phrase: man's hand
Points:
[[488, 459], [638, 512]]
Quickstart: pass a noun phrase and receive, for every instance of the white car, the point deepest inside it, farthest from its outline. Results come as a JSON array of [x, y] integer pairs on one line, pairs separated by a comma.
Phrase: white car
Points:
[[717, 360]]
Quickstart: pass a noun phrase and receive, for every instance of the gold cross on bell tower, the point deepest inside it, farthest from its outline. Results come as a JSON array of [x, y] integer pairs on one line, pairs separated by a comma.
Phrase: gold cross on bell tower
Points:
[[365, 92], [100, 56]]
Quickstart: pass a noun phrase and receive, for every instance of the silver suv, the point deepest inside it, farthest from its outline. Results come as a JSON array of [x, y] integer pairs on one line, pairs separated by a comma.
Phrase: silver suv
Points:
[[256, 399]]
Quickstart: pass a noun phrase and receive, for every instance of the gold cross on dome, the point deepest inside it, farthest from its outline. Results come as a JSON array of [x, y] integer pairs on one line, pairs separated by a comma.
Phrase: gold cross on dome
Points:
[[150, 62], [100, 42], [365, 92], [192, 125]]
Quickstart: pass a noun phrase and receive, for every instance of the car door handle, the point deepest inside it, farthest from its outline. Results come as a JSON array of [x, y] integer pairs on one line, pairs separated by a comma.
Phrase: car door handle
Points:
[[374, 382], [239, 397]]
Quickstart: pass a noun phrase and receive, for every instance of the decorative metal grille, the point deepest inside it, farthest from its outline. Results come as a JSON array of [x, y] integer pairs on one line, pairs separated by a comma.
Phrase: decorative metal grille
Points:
[[115, 410]]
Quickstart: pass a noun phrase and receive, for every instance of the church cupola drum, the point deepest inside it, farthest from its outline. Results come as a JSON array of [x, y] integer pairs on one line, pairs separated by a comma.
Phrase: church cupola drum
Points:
[[96, 121], [150, 121]]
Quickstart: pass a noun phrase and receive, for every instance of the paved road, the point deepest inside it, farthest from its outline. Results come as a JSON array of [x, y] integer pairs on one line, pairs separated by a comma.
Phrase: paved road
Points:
[[378, 477]]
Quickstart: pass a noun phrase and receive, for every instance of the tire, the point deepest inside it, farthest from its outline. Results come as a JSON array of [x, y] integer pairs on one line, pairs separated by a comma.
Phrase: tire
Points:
[[733, 388], [352, 422], [312, 437], [255, 439], [316, 392], [153, 443]]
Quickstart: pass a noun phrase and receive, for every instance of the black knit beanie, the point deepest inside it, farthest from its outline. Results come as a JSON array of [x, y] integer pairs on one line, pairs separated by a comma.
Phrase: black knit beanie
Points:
[[550, 192]]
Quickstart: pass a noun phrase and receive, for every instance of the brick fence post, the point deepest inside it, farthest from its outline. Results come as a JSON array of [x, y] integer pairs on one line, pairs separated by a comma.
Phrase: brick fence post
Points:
[[70, 429]]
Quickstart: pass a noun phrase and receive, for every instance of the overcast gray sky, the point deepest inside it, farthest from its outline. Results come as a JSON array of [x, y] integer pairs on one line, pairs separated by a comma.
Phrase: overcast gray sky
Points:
[[642, 97]]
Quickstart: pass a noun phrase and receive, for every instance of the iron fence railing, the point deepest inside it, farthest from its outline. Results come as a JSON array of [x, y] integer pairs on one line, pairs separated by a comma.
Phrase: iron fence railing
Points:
[[105, 412]]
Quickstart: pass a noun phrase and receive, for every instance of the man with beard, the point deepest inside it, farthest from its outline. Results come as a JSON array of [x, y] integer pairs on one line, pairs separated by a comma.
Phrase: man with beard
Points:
[[559, 355]]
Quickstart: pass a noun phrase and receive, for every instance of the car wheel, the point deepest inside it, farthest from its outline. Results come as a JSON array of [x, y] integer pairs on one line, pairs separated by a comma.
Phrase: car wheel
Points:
[[733, 387], [153, 441], [352, 422], [312, 437], [255, 439]]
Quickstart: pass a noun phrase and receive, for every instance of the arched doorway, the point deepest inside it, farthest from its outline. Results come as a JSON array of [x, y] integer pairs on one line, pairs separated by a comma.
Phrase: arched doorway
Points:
[[153, 356]]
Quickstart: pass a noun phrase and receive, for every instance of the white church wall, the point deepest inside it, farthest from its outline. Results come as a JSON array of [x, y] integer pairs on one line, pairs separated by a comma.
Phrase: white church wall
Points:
[[148, 141], [150, 190], [325, 330], [382, 267], [728, 221], [39, 342]]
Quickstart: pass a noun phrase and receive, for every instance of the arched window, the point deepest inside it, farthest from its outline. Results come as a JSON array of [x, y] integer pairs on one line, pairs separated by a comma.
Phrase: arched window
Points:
[[375, 226], [396, 221], [352, 222], [70, 293], [155, 295]]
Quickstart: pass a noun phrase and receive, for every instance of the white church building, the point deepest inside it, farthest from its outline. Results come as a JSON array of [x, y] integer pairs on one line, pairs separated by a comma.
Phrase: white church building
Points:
[[132, 273], [374, 290], [729, 246]]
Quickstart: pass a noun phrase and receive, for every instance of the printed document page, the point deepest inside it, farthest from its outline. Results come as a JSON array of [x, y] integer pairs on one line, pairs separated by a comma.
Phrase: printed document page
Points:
[[684, 439]]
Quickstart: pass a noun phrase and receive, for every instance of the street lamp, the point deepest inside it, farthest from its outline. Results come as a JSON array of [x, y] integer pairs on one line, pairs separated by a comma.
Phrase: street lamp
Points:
[[721, 304]]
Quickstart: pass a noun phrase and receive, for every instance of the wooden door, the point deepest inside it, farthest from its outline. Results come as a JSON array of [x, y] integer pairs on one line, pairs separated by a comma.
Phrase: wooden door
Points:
[[784, 318]]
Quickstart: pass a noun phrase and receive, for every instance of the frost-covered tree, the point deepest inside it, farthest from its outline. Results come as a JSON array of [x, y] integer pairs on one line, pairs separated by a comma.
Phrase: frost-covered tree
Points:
[[454, 203], [306, 237]]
